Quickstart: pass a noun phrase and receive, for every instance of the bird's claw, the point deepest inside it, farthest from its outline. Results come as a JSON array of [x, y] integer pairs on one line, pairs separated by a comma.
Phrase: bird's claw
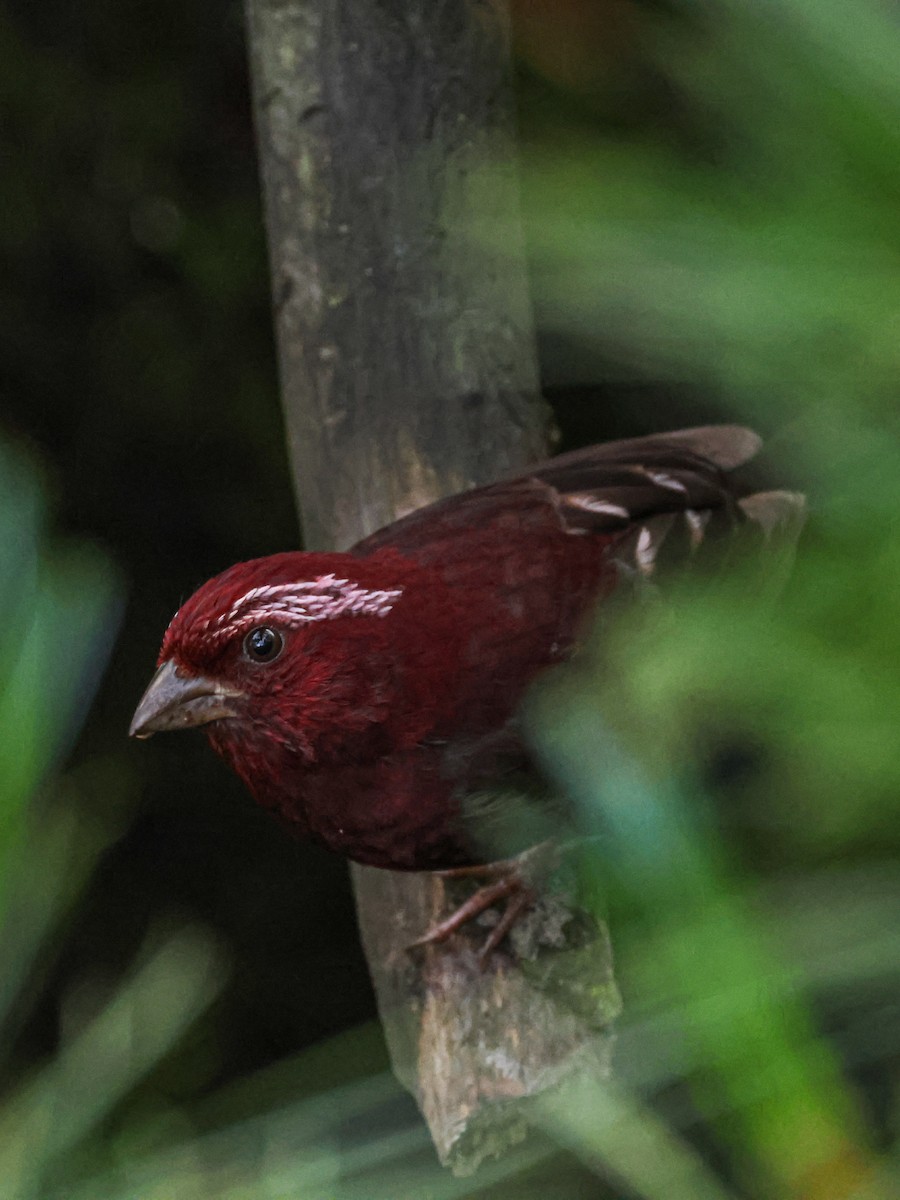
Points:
[[510, 882]]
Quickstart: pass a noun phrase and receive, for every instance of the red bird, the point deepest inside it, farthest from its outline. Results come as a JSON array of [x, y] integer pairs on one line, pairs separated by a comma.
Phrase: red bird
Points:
[[365, 697]]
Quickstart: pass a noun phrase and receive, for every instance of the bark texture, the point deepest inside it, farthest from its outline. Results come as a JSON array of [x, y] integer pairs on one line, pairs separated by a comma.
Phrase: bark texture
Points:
[[406, 350], [404, 328]]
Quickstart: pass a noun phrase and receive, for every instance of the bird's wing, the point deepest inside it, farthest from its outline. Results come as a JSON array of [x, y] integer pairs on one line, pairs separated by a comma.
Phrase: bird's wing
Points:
[[645, 492], [613, 486], [671, 491]]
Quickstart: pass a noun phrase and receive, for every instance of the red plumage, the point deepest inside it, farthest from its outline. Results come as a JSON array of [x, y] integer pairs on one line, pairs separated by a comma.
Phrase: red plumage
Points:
[[398, 667]]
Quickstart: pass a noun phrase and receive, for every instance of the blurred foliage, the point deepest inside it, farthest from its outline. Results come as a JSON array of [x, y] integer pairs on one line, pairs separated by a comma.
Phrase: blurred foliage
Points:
[[736, 757], [60, 623], [763, 267], [711, 194]]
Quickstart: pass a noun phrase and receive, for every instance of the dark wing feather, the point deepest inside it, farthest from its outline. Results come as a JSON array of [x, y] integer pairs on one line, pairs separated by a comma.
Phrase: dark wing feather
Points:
[[723, 446], [618, 487], [622, 482]]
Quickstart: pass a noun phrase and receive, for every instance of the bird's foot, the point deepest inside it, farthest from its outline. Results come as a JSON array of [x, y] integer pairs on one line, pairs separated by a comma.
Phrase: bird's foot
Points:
[[511, 879]]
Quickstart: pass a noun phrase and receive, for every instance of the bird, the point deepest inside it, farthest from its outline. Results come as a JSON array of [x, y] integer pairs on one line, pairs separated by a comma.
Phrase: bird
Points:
[[370, 698]]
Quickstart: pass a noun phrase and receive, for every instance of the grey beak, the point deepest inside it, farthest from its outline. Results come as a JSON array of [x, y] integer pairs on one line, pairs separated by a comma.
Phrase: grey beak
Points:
[[176, 700]]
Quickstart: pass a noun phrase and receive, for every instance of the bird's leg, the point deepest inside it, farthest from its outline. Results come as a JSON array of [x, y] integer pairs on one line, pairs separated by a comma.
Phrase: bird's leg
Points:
[[511, 880], [477, 903], [491, 870], [519, 902]]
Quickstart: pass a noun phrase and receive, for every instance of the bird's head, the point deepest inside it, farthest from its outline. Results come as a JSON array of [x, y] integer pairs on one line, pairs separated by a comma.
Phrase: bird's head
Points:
[[281, 654]]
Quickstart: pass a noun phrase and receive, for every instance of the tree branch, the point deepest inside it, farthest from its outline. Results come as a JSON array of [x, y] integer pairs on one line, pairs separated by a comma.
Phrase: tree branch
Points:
[[406, 349]]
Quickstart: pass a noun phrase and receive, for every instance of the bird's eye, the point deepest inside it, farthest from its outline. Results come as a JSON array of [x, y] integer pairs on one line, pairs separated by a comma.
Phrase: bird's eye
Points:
[[263, 644]]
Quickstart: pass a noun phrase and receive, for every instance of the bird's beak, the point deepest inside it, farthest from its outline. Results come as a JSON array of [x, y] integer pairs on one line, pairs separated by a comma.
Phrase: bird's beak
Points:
[[177, 700]]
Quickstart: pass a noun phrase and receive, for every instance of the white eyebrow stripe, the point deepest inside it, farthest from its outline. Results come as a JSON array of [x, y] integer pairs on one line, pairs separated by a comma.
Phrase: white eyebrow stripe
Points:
[[295, 604]]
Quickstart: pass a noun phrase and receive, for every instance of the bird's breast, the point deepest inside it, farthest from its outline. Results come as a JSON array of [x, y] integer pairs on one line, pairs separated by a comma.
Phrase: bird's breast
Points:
[[398, 813]]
